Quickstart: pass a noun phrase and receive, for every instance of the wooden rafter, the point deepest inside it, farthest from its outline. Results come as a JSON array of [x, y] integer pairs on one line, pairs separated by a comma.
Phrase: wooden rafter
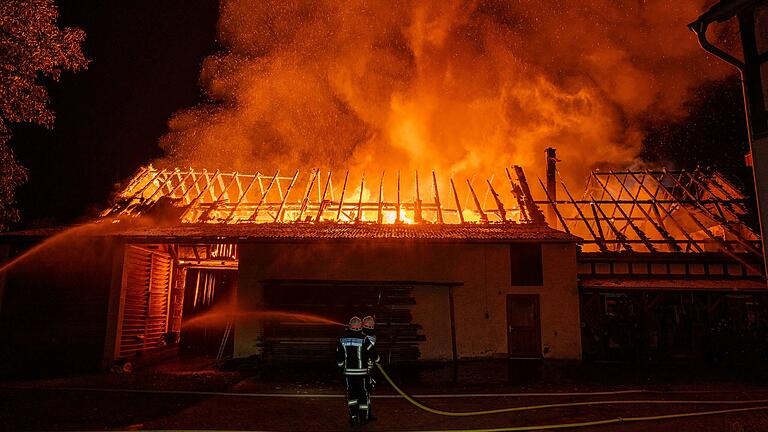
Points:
[[621, 208]]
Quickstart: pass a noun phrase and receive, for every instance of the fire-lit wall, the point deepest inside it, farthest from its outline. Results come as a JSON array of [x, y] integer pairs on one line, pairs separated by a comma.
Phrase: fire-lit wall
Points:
[[481, 272]]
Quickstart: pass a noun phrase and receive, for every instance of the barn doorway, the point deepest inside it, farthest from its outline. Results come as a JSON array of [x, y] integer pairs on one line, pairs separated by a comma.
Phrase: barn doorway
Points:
[[171, 295], [523, 326], [209, 295]]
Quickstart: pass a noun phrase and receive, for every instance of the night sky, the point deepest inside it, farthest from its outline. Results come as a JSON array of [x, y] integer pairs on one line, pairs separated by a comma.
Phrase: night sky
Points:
[[145, 63]]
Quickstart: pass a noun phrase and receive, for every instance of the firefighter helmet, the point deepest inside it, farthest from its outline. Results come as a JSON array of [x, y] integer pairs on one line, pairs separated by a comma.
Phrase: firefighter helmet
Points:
[[355, 323], [369, 323]]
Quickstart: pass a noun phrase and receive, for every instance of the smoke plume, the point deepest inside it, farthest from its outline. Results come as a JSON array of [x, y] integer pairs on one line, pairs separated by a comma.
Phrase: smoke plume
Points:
[[456, 86]]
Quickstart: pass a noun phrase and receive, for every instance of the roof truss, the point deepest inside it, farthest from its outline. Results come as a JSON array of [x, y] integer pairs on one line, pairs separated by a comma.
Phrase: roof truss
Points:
[[199, 196], [659, 211]]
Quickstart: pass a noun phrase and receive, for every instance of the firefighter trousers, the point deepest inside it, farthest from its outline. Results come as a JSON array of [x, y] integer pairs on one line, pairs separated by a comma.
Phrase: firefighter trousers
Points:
[[358, 397]]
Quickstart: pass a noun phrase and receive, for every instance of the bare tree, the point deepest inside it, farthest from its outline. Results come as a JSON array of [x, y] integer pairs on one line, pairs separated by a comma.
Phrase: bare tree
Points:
[[33, 50]]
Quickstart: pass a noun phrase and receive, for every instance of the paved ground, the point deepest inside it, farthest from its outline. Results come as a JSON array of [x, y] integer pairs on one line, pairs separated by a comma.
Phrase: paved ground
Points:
[[193, 396]]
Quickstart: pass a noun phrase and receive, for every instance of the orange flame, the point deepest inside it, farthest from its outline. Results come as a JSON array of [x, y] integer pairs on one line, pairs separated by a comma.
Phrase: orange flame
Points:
[[449, 85]]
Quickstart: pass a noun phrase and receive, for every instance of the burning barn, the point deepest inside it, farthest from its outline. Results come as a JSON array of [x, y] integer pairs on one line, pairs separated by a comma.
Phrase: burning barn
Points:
[[646, 264], [452, 271]]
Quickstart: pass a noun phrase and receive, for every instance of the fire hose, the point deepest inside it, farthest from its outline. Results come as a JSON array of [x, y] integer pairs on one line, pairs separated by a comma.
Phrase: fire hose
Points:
[[575, 404]]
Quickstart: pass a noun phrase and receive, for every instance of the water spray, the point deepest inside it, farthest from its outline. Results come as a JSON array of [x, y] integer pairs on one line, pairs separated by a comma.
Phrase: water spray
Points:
[[226, 314]]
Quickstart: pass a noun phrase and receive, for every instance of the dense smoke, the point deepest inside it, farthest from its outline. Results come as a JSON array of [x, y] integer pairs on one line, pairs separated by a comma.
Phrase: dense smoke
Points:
[[460, 87]]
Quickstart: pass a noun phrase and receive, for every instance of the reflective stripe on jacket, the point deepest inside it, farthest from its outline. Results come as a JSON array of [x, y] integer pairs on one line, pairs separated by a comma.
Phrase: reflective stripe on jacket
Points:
[[355, 353]]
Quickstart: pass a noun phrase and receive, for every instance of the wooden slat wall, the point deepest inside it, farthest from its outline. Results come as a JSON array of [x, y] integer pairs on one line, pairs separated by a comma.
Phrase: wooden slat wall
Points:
[[145, 311]]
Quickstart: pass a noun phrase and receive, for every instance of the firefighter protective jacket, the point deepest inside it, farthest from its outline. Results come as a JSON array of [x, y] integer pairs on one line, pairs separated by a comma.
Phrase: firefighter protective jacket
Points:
[[356, 353], [371, 334]]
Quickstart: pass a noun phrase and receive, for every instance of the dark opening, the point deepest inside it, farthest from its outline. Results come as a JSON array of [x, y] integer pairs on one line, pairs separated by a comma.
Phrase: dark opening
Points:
[[525, 264], [204, 290], [667, 326]]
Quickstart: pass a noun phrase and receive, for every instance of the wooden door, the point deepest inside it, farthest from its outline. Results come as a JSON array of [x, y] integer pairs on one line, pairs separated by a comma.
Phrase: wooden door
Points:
[[147, 276], [523, 326]]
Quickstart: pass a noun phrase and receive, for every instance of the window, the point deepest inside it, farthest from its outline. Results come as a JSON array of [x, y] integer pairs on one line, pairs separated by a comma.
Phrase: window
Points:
[[525, 264]]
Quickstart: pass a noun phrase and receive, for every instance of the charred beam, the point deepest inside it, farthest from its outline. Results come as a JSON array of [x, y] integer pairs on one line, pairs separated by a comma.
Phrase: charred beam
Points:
[[380, 214], [499, 205], [341, 198], [417, 216], [359, 215], [599, 240], [643, 237], [199, 196], [618, 234], [458, 204], [323, 202], [554, 207], [279, 214], [478, 207], [437, 199], [305, 200], [263, 196], [517, 192], [533, 210]]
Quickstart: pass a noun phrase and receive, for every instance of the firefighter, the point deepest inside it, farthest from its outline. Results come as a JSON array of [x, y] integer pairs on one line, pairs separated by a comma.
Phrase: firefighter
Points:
[[369, 329], [356, 354]]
